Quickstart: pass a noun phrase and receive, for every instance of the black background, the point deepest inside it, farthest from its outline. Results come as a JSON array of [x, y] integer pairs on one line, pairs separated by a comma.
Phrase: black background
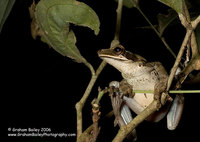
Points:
[[40, 87]]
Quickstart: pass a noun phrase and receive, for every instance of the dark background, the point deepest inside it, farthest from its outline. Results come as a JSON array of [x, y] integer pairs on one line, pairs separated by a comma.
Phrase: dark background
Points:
[[40, 87]]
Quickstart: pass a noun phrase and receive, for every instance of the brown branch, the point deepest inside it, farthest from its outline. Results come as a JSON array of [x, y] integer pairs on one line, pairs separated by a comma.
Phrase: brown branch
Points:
[[92, 131], [118, 21], [194, 79], [156, 31], [186, 22], [81, 103], [195, 22], [95, 118], [178, 59], [35, 29], [190, 26], [126, 129], [85, 136], [194, 45], [194, 64]]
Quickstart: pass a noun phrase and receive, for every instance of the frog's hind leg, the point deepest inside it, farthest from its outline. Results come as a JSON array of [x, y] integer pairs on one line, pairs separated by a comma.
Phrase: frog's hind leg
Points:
[[175, 112]]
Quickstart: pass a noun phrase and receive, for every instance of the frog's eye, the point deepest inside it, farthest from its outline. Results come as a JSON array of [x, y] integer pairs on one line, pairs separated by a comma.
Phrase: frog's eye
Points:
[[118, 50]]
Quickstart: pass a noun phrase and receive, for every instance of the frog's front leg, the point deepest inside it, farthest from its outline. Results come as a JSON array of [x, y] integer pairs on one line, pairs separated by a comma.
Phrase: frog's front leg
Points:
[[121, 111], [162, 76], [160, 91], [126, 89], [127, 95], [175, 112], [138, 108]]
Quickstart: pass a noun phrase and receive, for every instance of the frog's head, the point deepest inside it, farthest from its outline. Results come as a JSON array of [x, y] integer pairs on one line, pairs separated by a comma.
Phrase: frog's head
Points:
[[119, 58]]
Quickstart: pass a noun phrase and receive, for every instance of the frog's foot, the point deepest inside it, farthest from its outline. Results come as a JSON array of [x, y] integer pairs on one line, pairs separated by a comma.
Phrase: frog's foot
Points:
[[159, 89], [175, 112], [117, 102], [121, 110], [126, 89]]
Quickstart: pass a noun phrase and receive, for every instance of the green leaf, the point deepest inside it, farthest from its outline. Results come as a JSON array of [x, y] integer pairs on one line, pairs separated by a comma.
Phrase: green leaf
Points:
[[177, 5], [165, 20], [130, 3], [54, 18], [5, 8]]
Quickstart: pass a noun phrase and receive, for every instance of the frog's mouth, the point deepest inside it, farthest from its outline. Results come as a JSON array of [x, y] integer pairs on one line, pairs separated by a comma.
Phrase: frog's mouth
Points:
[[119, 57]]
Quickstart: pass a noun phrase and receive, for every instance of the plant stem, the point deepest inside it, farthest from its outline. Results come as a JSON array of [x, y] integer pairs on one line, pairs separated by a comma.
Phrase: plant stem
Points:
[[161, 38], [126, 129], [90, 67], [100, 95], [170, 91], [118, 21], [178, 59], [186, 21], [145, 17], [196, 22], [183, 91], [81, 103]]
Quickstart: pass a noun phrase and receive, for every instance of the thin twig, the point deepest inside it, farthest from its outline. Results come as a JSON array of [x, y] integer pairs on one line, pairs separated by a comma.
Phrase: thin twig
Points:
[[81, 103], [90, 67], [190, 26], [118, 21], [170, 91], [186, 20], [194, 64], [126, 129], [195, 22], [95, 118], [183, 91], [86, 134], [156, 31], [178, 59], [194, 45]]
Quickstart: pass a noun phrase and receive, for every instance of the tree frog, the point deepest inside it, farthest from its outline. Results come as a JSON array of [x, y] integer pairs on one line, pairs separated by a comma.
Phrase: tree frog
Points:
[[138, 74]]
